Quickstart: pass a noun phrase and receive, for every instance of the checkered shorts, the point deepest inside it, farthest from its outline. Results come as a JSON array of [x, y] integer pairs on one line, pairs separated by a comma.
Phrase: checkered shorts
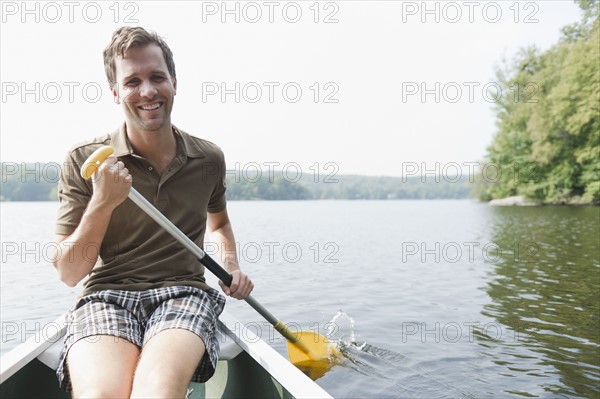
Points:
[[139, 315]]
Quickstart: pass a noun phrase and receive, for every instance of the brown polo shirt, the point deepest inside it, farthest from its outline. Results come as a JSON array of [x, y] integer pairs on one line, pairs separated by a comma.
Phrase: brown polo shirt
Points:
[[136, 253]]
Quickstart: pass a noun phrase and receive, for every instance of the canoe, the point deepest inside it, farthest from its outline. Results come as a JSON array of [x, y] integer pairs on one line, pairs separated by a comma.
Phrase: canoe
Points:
[[247, 368]]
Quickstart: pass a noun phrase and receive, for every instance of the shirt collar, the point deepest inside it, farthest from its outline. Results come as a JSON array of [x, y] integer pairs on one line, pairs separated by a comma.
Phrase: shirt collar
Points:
[[120, 143], [122, 146], [191, 147]]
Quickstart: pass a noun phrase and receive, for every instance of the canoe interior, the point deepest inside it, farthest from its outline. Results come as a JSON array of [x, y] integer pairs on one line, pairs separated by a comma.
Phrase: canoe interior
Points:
[[241, 377]]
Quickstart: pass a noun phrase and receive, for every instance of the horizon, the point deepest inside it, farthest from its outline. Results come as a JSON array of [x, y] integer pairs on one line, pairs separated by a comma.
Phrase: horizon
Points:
[[249, 173]]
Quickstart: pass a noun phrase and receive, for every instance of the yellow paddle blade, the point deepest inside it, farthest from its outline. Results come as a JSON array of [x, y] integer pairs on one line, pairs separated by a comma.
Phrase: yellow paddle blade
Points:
[[314, 369], [313, 353]]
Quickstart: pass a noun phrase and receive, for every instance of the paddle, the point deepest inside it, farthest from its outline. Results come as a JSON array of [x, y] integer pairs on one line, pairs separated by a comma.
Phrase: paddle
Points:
[[311, 352]]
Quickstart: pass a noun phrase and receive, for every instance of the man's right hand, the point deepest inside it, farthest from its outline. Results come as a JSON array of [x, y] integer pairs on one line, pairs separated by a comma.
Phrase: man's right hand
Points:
[[112, 183]]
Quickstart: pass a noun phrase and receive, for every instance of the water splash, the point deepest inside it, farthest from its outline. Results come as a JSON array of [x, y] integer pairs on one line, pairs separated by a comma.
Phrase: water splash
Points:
[[340, 324], [341, 330], [374, 361]]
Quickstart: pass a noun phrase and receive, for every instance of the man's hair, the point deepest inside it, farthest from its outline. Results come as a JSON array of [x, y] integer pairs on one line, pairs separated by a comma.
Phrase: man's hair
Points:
[[127, 37]]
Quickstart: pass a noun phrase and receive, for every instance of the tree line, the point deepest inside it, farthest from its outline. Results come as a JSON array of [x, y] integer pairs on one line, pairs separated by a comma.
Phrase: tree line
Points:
[[38, 182], [548, 119]]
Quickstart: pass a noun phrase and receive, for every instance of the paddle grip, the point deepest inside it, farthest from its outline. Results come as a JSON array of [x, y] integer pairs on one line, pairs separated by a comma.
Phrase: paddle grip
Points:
[[93, 162], [217, 270]]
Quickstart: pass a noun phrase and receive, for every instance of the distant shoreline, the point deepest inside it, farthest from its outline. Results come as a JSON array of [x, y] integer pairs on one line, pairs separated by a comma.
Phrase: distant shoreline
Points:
[[25, 183], [519, 200]]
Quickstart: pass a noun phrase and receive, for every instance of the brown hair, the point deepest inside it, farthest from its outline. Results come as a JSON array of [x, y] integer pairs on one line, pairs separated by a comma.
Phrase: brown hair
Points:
[[127, 37]]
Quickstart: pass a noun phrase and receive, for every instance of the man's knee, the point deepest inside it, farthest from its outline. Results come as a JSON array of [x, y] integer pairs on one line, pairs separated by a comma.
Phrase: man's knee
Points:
[[107, 392], [103, 368], [167, 364], [160, 384], [104, 386]]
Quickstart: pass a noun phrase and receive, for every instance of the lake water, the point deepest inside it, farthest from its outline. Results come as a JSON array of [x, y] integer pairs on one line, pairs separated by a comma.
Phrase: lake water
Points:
[[426, 298]]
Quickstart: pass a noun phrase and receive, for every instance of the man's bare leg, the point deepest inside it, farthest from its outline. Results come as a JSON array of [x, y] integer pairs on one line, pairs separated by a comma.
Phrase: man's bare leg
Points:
[[102, 366], [167, 364]]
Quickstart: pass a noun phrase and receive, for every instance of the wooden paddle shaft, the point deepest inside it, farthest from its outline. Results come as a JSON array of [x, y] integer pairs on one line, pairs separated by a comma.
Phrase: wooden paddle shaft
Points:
[[207, 261]]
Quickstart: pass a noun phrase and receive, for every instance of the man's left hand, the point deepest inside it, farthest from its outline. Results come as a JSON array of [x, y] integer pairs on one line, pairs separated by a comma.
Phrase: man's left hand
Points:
[[240, 287]]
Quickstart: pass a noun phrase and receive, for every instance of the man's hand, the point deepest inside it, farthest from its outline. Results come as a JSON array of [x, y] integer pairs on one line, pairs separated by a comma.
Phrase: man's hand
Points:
[[240, 287], [220, 227], [112, 183]]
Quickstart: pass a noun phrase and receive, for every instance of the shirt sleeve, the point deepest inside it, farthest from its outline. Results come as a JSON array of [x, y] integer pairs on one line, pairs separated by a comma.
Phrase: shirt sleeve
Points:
[[218, 201], [74, 194]]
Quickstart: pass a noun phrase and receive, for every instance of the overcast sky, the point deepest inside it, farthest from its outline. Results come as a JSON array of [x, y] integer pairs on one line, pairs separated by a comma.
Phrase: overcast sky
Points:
[[334, 83]]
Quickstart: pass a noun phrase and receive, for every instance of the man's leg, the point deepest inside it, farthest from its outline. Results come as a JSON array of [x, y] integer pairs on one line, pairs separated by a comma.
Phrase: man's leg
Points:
[[167, 364], [102, 366], [179, 343]]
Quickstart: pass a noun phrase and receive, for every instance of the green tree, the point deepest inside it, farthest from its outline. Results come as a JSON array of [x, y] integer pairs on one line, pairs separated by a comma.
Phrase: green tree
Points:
[[548, 141]]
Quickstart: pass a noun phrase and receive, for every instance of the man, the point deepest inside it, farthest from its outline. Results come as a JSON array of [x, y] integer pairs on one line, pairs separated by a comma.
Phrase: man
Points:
[[145, 324]]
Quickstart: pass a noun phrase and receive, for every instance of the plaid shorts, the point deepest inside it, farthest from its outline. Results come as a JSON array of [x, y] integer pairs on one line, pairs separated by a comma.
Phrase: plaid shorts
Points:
[[139, 315]]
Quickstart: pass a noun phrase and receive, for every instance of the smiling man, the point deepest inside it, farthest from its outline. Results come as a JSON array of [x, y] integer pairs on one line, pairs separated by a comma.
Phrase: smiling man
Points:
[[145, 324]]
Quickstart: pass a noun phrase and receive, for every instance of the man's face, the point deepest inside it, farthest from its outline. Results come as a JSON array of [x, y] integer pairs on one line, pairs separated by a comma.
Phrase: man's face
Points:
[[145, 88]]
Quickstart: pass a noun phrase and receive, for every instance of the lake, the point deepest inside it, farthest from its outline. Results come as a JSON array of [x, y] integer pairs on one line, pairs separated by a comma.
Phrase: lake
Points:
[[440, 298]]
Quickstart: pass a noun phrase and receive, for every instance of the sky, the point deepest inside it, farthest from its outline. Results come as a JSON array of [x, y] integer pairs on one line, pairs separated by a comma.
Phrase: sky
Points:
[[342, 87]]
